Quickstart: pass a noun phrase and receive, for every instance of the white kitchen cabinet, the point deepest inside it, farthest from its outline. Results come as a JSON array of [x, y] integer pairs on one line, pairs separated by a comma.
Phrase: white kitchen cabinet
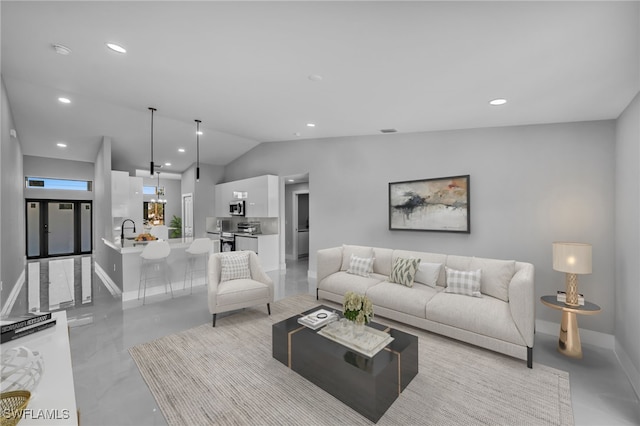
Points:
[[262, 195], [247, 243], [265, 246], [119, 194]]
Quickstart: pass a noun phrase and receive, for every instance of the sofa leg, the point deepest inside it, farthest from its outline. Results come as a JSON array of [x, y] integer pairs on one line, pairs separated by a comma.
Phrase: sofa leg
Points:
[[529, 357], [214, 320], [269, 308]]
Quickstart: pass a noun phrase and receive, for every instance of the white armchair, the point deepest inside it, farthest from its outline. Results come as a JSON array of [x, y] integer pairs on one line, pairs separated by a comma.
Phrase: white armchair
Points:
[[239, 293]]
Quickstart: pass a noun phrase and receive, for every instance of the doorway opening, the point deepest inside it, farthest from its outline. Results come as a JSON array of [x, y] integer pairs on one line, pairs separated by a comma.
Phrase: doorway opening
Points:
[[58, 228]]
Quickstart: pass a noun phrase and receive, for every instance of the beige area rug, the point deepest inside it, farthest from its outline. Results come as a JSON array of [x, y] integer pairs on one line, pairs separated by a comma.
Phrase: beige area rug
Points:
[[226, 375]]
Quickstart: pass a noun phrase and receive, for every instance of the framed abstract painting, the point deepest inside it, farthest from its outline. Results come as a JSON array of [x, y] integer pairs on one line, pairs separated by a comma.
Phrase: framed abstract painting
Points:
[[440, 205]]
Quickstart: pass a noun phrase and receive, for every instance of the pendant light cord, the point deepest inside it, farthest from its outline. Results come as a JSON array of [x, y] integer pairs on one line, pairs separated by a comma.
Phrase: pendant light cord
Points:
[[151, 165], [198, 150]]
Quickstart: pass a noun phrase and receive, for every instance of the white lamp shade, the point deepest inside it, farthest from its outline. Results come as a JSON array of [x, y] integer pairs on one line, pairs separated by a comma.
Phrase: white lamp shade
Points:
[[573, 258]]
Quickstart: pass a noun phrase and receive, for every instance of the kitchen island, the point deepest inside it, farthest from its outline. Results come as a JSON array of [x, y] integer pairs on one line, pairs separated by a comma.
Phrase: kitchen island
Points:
[[124, 266]]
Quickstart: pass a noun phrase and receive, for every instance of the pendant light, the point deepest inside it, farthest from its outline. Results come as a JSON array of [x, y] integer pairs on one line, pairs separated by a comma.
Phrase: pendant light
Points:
[[151, 167], [198, 150]]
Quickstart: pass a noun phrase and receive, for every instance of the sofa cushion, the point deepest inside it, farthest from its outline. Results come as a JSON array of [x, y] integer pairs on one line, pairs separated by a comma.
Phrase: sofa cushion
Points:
[[359, 251], [362, 266], [463, 282], [428, 273], [404, 271], [239, 291], [487, 316], [426, 257], [383, 260], [341, 282], [409, 300], [496, 276], [234, 266]]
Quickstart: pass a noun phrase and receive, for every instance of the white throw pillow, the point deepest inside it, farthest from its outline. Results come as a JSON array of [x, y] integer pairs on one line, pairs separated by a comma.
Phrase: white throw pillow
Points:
[[496, 276], [428, 273], [234, 266], [362, 266], [463, 282]]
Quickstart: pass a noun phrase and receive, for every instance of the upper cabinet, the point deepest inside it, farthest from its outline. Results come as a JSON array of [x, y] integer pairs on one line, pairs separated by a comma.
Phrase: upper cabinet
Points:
[[259, 193]]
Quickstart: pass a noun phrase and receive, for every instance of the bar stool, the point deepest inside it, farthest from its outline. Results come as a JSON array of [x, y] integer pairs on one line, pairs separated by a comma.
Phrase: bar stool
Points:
[[154, 254], [198, 247]]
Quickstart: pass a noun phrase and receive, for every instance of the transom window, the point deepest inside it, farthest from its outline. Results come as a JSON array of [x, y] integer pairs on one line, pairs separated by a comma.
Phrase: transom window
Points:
[[64, 184]]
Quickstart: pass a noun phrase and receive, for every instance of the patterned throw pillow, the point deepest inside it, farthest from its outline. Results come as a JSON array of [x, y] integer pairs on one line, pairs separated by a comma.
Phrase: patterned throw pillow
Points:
[[362, 266], [234, 266], [404, 270], [463, 282]]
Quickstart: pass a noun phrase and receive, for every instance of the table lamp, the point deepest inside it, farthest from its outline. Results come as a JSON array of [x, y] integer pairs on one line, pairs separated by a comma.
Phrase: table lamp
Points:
[[572, 258]]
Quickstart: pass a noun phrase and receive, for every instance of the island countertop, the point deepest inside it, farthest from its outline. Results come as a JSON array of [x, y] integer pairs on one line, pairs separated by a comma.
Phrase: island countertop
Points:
[[132, 246]]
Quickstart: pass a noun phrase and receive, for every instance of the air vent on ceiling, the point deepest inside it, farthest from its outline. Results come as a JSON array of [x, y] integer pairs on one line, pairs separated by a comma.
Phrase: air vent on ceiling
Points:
[[388, 130]]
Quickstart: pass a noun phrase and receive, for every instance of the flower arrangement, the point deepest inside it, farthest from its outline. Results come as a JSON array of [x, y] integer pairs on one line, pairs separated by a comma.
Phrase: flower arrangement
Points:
[[357, 308]]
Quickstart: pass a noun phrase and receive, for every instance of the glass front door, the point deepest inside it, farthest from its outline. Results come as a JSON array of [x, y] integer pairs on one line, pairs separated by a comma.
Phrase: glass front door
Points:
[[58, 228]]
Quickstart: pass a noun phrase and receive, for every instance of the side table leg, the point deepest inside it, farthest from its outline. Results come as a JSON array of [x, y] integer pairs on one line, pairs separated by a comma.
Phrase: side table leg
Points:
[[569, 342]]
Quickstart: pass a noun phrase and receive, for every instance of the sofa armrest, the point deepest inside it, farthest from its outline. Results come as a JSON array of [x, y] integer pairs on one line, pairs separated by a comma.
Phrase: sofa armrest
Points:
[[213, 281], [329, 262], [258, 274], [522, 301]]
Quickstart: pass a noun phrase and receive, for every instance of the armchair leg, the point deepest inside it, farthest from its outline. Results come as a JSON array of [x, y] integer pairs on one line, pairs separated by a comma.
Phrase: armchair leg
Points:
[[269, 308], [214, 320], [529, 357]]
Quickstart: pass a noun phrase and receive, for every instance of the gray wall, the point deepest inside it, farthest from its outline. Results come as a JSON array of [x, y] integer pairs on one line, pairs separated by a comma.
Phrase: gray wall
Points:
[[203, 194], [530, 186], [102, 203], [12, 228], [627, 273], [59, 169]]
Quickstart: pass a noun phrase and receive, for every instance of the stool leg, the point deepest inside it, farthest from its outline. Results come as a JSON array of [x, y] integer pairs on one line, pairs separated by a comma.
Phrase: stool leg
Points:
[[186, 271], [168, 279]]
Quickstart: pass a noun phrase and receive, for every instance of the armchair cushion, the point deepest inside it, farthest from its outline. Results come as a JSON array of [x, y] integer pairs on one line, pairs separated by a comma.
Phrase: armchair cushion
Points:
[[234, 266], [241, 291]]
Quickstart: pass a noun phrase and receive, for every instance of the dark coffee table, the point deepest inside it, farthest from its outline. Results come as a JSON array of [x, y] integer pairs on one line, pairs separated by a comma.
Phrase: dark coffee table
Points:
[[368, 385]]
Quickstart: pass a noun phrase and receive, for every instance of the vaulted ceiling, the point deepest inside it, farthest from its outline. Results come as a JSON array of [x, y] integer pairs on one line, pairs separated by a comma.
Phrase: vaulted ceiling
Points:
[[256, 72]]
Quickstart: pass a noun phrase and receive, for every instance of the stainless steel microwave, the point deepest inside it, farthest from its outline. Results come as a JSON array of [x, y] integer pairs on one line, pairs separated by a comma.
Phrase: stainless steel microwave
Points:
[[236, 208]]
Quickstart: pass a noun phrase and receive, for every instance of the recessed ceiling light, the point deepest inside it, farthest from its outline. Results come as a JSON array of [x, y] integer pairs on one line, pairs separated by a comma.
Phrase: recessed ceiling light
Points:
[[291, 180], [116, 48], [497, 102], [60, 49], [61, 145], [315, 77], [64, 100], [311, 125], [167, 164], [180, 149]]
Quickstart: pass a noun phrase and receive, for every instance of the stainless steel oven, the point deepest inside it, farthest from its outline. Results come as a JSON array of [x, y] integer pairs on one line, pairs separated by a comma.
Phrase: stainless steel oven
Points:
[[227, 241]]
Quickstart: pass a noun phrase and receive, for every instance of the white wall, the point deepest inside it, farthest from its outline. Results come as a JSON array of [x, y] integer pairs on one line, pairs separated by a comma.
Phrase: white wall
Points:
[[627, 273], [530, 186], [12, 227]]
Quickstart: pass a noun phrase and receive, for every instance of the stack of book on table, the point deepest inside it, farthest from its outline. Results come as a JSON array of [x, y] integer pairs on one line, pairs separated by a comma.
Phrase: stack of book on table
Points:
[[14, 328], [318, 318], [562, 297]]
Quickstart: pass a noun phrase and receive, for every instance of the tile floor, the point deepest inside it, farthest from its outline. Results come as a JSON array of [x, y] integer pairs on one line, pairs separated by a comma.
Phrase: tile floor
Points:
[[110, 390]]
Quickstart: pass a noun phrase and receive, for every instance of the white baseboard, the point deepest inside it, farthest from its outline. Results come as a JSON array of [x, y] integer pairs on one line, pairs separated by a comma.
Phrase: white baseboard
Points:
[[11, 300], [630, 370], [111, 286], [590, 337]]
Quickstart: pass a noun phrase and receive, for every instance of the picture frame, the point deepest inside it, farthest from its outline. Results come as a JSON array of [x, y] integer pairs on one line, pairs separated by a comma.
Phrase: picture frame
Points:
[[437, 204]]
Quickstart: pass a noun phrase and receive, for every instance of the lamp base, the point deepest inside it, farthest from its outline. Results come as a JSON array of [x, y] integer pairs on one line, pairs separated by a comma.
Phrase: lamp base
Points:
[[572, 290]]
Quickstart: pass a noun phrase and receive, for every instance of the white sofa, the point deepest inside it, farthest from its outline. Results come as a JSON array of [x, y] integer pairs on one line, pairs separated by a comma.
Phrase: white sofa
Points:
[[502, 319]]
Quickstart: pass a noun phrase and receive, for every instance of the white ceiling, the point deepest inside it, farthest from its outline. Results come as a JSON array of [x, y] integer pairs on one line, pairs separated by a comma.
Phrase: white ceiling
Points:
[[243, 67]]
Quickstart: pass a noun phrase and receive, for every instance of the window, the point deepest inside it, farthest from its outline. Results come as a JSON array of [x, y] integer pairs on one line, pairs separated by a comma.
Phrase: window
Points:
[[149, 190], [65, 184]]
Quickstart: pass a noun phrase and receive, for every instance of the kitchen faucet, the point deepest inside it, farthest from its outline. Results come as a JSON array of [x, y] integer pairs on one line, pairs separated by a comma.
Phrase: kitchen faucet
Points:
[[122, 228]]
